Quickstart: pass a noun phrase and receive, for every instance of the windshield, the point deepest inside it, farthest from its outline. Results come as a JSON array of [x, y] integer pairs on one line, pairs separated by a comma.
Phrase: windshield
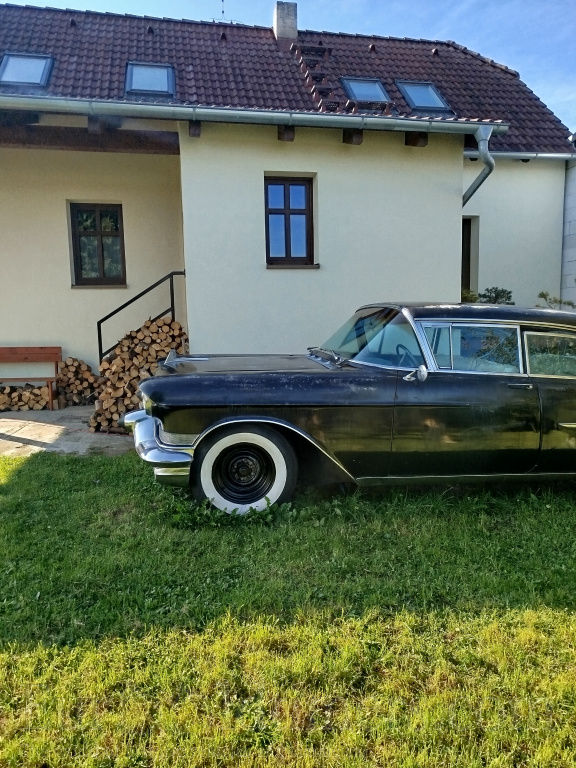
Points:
[[380, 336]]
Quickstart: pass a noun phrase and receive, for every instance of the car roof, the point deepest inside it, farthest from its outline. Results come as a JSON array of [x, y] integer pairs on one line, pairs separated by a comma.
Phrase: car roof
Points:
[[494, 312]]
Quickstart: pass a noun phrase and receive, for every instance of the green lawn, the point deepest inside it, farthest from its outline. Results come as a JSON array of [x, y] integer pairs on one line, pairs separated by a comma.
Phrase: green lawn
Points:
[[411, 629]]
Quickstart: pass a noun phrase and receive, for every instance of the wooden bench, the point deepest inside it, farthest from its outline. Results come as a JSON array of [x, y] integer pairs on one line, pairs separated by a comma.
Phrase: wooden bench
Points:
[[33, 355]]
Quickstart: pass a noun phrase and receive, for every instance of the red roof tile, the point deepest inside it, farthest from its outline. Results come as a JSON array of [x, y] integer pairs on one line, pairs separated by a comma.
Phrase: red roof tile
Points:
[[231, 65]]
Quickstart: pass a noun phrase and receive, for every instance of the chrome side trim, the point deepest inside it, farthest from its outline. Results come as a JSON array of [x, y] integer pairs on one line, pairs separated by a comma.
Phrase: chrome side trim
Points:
[[442, 479], [175, 439]]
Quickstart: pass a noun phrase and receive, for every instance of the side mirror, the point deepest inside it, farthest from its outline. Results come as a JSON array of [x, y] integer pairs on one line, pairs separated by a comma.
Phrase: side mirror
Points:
[[421, 374]]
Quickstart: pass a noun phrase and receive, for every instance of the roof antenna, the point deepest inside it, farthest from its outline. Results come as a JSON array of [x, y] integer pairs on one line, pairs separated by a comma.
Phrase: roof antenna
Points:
[[222, 10]]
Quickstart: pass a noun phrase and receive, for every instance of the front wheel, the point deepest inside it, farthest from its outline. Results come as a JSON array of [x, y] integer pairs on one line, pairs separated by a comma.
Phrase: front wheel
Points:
[[244, 467]]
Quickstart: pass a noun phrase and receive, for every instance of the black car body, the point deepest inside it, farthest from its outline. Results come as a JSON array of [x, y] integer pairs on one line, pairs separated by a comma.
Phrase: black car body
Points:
[[401, 393]]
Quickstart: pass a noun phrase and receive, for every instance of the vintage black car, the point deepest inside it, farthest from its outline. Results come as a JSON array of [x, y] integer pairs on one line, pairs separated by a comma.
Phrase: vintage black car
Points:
[[401, 393]]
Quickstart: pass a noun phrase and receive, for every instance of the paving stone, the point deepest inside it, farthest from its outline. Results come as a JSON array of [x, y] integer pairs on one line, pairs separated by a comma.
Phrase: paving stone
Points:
[[23, 433]]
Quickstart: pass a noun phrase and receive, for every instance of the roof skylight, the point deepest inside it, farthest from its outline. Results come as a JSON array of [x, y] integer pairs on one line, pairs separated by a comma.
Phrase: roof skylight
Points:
[[150, 78], [421, 95], [365, 89], [25, 69]]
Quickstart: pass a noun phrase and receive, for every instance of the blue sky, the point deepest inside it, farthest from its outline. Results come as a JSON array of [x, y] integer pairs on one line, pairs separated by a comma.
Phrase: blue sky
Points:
[[535, 37]]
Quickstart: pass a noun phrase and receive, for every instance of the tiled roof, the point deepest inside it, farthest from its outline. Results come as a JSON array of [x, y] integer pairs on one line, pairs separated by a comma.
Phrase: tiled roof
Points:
[[231, 65]]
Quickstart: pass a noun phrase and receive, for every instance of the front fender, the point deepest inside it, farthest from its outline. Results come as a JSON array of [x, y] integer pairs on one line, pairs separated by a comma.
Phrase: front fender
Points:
[[280, 424]]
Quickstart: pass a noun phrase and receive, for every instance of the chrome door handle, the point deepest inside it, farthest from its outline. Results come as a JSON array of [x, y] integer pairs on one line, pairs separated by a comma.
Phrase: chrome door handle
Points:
[[520, 386]]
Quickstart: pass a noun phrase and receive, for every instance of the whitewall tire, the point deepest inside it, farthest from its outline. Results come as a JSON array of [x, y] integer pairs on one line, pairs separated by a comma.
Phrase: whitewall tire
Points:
[[244, 467]]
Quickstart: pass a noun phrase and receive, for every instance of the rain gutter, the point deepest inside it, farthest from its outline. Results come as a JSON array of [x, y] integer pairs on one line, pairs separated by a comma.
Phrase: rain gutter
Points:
[[525, 156], [94, 107]]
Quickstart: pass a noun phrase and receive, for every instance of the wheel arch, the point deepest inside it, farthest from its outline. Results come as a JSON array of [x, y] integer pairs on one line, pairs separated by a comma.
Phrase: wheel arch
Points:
[[314, 461]]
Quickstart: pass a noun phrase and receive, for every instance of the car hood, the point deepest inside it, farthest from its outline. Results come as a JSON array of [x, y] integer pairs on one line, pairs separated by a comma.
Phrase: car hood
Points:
[[239, 364]]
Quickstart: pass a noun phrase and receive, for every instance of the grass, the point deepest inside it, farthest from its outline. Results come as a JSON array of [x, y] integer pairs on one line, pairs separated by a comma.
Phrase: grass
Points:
[[421, 628]]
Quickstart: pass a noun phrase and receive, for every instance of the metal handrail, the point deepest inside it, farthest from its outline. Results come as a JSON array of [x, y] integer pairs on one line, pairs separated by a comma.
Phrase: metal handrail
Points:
[[170, 276]]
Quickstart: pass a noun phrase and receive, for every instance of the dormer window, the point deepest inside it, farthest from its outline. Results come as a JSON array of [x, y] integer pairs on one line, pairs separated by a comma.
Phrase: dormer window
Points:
[[422, 95], [156, 79], [25, 69], [365, 89]]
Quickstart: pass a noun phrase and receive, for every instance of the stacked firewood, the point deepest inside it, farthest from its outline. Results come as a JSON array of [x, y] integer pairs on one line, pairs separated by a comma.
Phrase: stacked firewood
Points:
[[134, 358], [23, 398], [77, 384]]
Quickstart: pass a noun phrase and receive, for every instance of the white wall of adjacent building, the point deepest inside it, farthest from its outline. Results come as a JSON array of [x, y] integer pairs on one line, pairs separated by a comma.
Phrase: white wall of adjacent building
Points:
[[39, 306], [569, 240], [517, 227], [387, 226]]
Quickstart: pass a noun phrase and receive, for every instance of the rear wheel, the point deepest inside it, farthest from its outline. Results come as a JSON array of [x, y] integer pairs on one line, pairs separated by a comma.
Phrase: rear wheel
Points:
[[244, 467]]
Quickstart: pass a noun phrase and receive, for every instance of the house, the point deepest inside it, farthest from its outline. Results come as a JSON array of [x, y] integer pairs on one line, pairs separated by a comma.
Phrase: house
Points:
[[293, 175]]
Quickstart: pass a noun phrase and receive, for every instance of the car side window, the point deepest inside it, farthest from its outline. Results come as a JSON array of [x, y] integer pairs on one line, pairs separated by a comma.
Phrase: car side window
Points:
[[474, 347], [551, 354]]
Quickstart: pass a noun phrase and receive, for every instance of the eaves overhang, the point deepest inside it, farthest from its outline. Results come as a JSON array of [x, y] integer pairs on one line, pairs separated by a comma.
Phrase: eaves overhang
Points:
[[102, 108]]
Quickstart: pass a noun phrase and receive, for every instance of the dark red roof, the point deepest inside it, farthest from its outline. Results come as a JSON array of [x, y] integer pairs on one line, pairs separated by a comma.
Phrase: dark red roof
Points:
[[231, 65]]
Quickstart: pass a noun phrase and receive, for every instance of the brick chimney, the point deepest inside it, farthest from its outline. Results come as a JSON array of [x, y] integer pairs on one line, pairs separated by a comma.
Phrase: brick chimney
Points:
[[285, 24]]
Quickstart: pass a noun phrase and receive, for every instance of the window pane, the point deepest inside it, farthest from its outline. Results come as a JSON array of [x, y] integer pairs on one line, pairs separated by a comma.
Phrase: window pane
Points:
[[394, 344], [109, 221], [382, 337], [489, 350], [150, 79], [86, 221], [24, 69], [362, 329], [297, 196], [89, 256], [98, 243], [298, 236], [439, 341], [423, 95], [277, 236], [112, 257], [551, 354], [275, 196], [367, 90]]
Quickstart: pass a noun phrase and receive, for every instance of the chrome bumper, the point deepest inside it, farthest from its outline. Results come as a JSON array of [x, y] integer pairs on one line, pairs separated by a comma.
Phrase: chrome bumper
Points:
[[171, 466]]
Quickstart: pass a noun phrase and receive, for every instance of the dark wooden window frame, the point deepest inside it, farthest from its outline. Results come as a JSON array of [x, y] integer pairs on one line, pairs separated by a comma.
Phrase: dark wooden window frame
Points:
[[101, 279], [288, 260]]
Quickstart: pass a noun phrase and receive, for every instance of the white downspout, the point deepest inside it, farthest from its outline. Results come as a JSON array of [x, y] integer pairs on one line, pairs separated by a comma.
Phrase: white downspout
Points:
[[482, 135]]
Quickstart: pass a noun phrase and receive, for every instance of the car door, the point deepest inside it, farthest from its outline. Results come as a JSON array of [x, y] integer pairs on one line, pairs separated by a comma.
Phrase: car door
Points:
[[551, 363], [476, 413]]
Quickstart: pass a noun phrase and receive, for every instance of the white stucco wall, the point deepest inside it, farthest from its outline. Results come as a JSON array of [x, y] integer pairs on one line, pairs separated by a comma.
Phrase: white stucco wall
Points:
[[387, 227], [39, 306], [569, 242], [519, 226]]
